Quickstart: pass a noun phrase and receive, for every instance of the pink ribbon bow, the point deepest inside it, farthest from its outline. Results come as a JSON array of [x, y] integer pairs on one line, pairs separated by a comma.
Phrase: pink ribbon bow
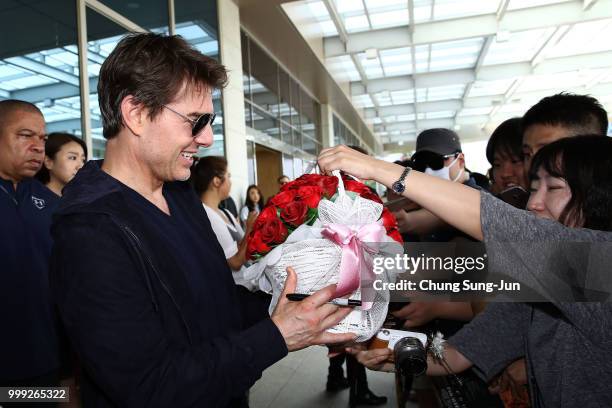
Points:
[[354, 242]]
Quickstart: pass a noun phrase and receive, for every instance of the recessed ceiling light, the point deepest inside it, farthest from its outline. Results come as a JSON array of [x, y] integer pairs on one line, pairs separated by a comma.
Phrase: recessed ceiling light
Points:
[[371, 53]]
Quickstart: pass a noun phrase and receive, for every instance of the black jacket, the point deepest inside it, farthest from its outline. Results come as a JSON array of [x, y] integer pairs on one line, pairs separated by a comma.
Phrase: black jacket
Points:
[[28, 338], [128, 310]]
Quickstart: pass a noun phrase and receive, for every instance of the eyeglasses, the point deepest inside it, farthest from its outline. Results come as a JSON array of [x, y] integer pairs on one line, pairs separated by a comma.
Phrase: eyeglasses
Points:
[[196, 124], [434, 161]]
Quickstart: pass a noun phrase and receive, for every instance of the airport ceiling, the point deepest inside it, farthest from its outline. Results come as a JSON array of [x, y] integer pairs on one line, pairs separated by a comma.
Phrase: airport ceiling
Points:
[[408, 65], [43, 67]]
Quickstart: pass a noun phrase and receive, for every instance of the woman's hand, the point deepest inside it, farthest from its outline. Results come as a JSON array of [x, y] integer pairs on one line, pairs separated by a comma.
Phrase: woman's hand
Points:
[[352, 162], [250, 221], [376, 359]]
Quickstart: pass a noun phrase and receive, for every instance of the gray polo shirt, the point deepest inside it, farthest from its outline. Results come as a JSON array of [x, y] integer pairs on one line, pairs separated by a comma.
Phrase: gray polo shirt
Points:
[[567, 345]]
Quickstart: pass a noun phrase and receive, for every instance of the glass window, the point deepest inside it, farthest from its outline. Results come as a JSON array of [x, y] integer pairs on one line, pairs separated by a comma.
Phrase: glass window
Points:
[[286, 111], [251, 161], [149, 14], [276, 104], [246, 66], [264, 88], [266, 122], [248, 113], [288, 165], [196, 21], [42, 66], [102, 38], [297, 167]]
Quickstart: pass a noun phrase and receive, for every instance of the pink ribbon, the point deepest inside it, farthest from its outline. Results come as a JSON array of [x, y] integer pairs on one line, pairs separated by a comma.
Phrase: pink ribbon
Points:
[[354, 242]]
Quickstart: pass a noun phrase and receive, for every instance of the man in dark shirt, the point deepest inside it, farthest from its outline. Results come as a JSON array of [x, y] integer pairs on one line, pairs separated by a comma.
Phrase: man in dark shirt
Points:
[[141, 282], [28, 344]]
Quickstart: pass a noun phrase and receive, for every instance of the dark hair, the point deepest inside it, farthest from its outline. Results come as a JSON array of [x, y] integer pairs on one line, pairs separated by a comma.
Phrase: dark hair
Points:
[[54, 143], [8, 106], [582, 114], [507, 139], [585, 163], [153, 68], [250, 203], [207, 168]]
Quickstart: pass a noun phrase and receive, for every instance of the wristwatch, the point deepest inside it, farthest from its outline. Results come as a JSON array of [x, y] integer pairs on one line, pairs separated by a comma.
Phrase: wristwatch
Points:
[[398, 187]]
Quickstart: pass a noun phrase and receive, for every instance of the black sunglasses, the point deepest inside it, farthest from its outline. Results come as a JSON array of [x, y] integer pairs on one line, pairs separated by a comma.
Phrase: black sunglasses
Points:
[[434, 161], [196, 124]]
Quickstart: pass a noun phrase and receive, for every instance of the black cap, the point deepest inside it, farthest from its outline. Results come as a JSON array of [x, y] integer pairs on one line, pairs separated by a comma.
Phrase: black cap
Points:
[[440, 141]]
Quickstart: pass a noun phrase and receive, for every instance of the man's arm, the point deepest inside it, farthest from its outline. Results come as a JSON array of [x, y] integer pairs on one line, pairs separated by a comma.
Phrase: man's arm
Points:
[[109, 315], [418, 222], [118, 329], [419, 313]]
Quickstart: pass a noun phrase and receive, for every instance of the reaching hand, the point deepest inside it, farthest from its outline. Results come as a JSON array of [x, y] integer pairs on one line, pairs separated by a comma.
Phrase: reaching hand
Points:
[[250, 221], [350, 161], [304, 323], [417, 313], [376, 359], [514, 378]]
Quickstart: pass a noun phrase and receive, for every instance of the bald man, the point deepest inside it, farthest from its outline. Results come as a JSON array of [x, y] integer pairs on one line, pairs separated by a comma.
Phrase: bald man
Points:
[[28, 344]]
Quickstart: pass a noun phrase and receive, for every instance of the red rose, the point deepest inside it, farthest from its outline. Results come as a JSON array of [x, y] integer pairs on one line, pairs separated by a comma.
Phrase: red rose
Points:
[[283, 198], [356, 187], [311, 178], [372, 196], [273, 231], [329, 185], [266, 214], [395, 234], [388, 219], [294, 213], [256, 245], [311, 195]]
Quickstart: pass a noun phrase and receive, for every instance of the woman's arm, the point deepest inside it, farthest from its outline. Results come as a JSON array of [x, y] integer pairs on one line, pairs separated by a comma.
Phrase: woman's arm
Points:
[[235, 262], [456, 204]]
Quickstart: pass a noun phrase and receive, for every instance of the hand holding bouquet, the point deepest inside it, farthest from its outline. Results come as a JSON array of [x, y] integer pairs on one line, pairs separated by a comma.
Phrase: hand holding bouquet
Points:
[[328, 229]]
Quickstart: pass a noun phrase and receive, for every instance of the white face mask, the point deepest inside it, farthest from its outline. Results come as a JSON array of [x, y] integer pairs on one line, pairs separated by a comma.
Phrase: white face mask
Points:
[[444, 172]]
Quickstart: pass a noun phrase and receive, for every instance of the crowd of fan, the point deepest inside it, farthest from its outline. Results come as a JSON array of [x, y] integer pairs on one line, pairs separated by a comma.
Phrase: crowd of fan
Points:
[[553, 162]]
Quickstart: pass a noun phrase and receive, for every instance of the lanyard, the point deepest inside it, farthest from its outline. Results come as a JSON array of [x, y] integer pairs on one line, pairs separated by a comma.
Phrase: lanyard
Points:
[[9, 194]]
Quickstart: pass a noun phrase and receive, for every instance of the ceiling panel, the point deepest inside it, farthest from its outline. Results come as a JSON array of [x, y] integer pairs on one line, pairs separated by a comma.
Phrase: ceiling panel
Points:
[[475, 76]]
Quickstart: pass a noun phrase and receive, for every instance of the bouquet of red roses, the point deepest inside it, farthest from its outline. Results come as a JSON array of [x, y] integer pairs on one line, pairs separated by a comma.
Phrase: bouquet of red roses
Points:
[[329, 229], [297, 204]]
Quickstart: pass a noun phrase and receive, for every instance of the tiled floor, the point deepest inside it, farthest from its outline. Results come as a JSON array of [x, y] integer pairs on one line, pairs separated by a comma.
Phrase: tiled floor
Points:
[[299, 381]]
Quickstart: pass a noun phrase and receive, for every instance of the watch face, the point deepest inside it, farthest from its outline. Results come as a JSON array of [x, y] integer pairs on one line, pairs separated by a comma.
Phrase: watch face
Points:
[[398, 187]]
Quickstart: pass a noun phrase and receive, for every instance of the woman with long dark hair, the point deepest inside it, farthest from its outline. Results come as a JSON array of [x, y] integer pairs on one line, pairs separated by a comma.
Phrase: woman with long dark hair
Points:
[[65, 154], [212, 182], [254, 201], [566, 344]]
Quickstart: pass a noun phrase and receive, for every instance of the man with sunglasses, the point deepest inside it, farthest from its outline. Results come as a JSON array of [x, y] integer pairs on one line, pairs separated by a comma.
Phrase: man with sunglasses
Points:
[[141, 282], [438, 153], [29, 354]]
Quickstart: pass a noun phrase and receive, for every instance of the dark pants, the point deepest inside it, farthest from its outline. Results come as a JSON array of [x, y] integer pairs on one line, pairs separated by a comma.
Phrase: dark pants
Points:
[[355, 372]]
